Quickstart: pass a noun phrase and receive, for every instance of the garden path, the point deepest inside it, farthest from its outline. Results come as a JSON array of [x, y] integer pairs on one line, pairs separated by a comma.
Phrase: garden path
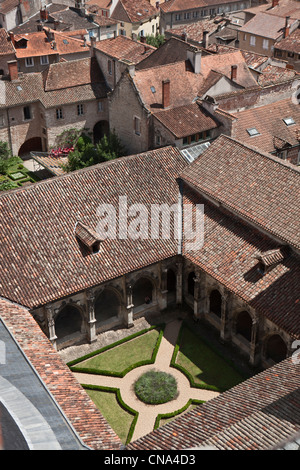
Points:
[[148, 413]]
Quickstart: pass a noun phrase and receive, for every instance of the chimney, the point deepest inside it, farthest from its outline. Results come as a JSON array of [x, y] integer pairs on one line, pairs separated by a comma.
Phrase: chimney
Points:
[[166, 93], [233, 72], [184, 37], [93, 42], [205, 39], [11, 37], [194, 57], [44, 14], [13, 70], [275, 3], [287, 27]]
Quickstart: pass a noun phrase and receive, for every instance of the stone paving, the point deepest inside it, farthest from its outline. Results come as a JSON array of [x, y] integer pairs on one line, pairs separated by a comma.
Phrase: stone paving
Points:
[[148, 413]]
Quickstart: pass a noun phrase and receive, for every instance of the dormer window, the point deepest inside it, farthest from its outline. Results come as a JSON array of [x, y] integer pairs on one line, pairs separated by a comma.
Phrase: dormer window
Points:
[[88, 237], [289, 121], [271, 258], [252, 131]]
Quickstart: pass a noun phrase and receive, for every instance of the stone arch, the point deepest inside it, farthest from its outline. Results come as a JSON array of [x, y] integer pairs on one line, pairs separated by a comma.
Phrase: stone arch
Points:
[[100, 129], [68, 321], [275, 348], [215, 302], [243, 324], [31, 145], [107, 304], [143, 291], [191, 283]]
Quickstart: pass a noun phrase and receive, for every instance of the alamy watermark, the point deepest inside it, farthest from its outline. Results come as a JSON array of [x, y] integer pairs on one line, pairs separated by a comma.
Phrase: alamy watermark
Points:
[[2, 352], [296, 92], [154, 221], [296, 354]]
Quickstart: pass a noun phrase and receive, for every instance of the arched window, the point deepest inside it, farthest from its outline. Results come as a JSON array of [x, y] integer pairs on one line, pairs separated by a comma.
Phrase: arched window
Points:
[[107, 305], [215, 302], [68, 321], [244, 325], [276, 348]]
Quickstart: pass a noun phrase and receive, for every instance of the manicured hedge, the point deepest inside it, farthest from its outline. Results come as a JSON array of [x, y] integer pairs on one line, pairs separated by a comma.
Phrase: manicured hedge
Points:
[[85, 370], [177, 412], [123, 405]]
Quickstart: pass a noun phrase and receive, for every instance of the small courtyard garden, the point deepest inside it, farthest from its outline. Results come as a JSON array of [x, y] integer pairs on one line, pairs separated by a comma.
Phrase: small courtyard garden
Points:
[[13, 173], [205, 369]]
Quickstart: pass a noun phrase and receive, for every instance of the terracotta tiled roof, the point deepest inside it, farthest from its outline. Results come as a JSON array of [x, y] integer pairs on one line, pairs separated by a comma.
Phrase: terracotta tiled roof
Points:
[[39, 227], [6, 46], [255, 415], [182, 5], [59, 84], [232, 253], [134, 10], [252, 184], [268, 121], [291, 43], [186, 120], [172, 50], [185, 84], [194, 31], [252, 59], [123, 48], [257, 26], [74, 402], [38, 44], [8, 5], [273, 74]]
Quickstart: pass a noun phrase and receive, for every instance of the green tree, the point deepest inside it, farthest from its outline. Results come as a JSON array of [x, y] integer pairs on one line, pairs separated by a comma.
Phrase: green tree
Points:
[[5, 155], [86, 153], [155, 41]]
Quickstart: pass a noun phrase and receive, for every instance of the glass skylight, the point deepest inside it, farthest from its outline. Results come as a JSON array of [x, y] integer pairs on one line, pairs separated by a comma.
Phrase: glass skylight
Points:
[[289, 121], [252, 131]]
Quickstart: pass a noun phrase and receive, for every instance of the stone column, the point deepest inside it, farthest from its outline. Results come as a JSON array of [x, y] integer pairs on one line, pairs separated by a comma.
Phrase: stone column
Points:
[[197, 296], [163, 297], [253, 344], [91, 329], [179, 266], [51, 324], [225, 323], [129, 307]]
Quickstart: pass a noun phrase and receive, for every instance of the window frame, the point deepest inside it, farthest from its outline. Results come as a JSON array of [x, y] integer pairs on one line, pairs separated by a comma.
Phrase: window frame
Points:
[[29, 62]]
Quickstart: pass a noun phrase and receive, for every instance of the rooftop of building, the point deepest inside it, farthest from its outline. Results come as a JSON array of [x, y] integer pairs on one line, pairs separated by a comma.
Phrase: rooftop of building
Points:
[[271, 128], [123, 48], [38, 393], [290, 43], [275, 29], [133, 11]]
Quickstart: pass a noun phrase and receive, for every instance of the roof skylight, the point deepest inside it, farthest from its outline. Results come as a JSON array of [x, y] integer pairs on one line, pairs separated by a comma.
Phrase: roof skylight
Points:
[[289, 121], [252, 131]]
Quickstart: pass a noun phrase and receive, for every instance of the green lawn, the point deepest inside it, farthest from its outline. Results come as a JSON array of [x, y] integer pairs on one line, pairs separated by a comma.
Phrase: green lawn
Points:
[[119, 419], [204, 365], [16, 175], [125, 355]]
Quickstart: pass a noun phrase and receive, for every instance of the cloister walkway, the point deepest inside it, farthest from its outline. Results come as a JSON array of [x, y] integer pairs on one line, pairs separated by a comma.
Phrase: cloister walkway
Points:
[[148, 413]]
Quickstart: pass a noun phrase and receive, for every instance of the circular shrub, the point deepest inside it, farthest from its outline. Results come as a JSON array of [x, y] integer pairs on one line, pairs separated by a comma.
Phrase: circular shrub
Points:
[[156, 387]]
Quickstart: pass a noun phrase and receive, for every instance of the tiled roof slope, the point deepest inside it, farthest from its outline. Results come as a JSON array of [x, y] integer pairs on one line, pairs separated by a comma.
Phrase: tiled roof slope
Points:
[[59, 84], [133, 11], [41, 259], [38, 44], [254, 185], [6, 46], [74, 402], [290, 43], [123, 48], [268, 120], [185, 85], [257, 25], [231, 253], [186, 120], [254, 415], [172, 50], [182, 5]]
